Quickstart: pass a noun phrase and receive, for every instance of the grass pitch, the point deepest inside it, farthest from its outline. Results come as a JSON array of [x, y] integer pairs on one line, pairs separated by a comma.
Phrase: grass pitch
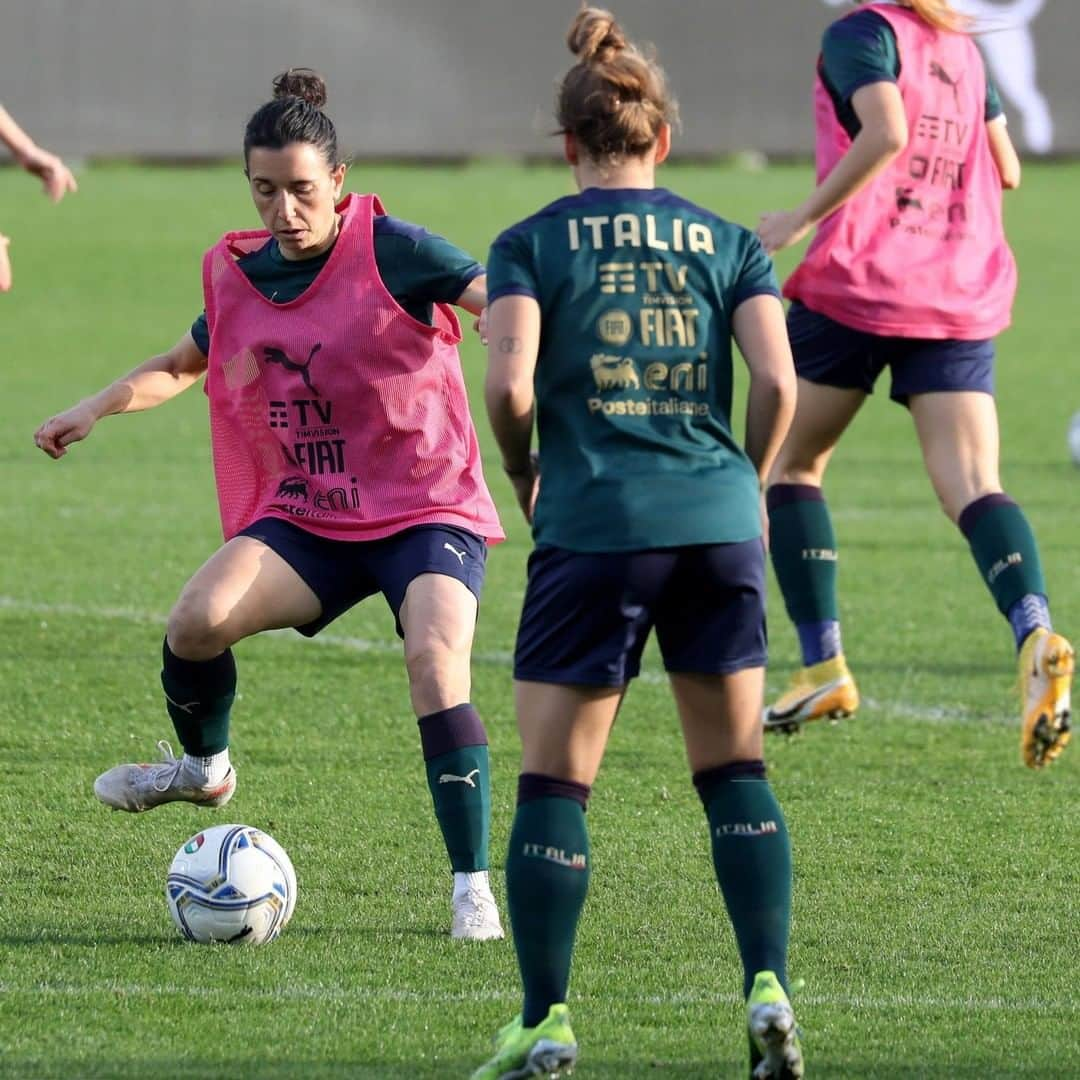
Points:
[[937, 881]]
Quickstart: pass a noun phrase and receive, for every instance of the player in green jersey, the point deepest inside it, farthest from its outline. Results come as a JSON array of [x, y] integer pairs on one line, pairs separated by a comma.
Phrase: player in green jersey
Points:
[[611, 318]]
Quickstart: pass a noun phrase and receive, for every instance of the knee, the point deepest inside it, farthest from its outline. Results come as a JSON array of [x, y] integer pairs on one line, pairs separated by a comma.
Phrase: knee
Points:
[[427, 661], [197, 628], [954, 503], [438, 675], [792, 468]]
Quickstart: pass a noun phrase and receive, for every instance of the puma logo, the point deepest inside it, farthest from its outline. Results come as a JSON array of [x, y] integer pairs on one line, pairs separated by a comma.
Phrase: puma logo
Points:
[[451, 778], [183, 708], [279, 356], [939, 73], [454, 550]]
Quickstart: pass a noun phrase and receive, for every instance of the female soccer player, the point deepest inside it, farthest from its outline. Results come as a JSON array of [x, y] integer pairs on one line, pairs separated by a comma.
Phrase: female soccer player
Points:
[[909, 269], [346, 464], [55, 177], [611, 318]]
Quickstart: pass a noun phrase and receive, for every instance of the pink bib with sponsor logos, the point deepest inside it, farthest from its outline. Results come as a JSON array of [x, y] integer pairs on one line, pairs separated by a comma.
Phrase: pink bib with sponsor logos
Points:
[[920, 251], [338, 410]]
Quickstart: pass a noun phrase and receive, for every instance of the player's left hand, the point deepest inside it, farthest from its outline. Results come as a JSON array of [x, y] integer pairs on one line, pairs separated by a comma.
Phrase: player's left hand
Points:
[[781, 229], [481, 326], [526, 486], [56, 177]]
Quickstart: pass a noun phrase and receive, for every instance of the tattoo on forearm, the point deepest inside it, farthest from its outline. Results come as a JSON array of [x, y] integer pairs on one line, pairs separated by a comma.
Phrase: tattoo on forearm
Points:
[[510, 346]]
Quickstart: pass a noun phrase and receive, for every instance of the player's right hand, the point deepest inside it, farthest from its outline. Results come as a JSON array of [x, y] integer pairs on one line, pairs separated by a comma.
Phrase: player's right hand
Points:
[[56, 178], [60, 431]]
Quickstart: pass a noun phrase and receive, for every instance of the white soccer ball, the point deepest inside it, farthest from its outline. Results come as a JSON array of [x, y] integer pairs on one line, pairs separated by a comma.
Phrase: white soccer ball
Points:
[[1074, 438], [231, 883]]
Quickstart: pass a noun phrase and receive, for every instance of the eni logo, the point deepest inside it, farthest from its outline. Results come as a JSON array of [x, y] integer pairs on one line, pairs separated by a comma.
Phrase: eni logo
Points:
[[614, 372]]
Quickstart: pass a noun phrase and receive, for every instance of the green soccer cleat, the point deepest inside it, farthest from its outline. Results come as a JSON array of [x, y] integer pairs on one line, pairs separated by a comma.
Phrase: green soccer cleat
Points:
[[774, 1038], [549, 1049]]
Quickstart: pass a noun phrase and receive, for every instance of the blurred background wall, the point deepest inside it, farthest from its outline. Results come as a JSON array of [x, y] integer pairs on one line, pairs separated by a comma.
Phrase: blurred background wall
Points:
[[458, 78]]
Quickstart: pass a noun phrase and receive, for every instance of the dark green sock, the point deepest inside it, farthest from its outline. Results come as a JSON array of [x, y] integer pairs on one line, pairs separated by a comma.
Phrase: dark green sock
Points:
[[459, 777], [199, 696], [547, 877], [802, 545], [1004, 548], [461, 791], [752, 857]]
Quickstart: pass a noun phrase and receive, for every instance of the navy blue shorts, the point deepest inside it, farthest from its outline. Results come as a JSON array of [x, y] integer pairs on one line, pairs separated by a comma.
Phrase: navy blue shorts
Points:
[[586, 616], [832, 354], [341, 573]]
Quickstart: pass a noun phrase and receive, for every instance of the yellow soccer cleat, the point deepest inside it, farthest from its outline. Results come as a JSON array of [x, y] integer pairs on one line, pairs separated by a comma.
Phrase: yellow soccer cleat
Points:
[[819, 691], [547, 1050], [775, 1052], [1047, 662]]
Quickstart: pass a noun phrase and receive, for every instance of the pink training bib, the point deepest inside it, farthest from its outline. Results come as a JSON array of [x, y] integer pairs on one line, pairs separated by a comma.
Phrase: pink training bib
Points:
[[338, 410], [920, 251]]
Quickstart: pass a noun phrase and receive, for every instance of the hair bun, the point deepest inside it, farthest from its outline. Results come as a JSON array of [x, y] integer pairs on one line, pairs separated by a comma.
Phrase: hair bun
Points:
[[303, 83], [595, 35]]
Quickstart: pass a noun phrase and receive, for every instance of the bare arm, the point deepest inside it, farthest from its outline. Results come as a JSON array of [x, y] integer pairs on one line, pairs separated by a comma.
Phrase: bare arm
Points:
[[883, 135], [513, 344], [474, 298], [152, 383], [55, 175], [761, 335], [1003, 152]]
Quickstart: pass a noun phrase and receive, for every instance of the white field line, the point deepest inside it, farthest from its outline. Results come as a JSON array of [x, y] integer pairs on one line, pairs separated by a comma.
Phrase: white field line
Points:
[[944, 714], [319, 992]]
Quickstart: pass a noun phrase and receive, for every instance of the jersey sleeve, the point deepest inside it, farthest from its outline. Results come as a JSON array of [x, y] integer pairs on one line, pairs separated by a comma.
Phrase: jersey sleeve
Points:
[[857, 51], [994, 108], [757, 277], [200, 331], [419, 267], [512, 268]]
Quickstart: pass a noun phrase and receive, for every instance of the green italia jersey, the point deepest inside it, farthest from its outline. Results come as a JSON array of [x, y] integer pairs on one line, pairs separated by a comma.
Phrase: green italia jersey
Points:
[[637, 288]]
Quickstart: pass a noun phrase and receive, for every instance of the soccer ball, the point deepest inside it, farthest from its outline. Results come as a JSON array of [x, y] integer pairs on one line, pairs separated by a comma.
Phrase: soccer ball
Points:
[[1074, 438], [231, 883]]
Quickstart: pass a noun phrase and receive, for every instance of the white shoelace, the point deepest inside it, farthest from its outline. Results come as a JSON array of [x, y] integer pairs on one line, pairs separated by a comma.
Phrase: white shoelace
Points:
[[168, 768], [479, 907]]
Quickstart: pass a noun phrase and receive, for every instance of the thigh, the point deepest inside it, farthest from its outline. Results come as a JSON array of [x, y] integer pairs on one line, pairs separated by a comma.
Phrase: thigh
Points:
[[433, 551], [958, 433], [710, 618], [564, 729], [243, 588], [822, 415], [586, 616], [837, 367], [438, 611], [336, 571]]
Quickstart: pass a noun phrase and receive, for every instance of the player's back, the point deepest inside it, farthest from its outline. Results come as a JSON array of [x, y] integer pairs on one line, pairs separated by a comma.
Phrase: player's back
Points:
[[634, 379]]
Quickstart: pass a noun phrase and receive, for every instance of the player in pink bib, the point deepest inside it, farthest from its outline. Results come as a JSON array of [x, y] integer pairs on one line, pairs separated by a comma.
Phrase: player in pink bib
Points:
[[909, 269], [346, 464]]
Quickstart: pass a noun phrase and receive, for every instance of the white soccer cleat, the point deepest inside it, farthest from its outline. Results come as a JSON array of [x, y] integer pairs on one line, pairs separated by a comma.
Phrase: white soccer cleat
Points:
[[135, 788], [475, 916]]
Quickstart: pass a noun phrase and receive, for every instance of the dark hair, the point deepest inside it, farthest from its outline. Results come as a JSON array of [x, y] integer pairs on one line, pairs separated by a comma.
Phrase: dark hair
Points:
[[615, 99], [294, 116]]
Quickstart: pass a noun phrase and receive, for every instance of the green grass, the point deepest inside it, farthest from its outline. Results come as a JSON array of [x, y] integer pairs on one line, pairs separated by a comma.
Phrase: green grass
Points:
[[937, 881]]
